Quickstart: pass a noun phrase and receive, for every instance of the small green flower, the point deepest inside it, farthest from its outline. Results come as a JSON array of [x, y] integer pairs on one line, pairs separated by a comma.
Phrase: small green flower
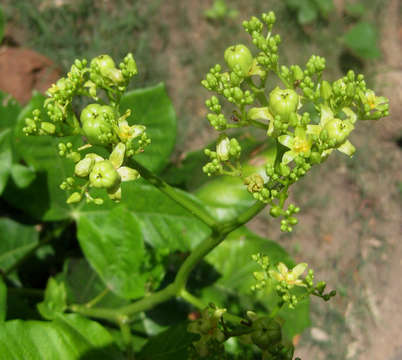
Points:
[[299, 144], [289, 276]]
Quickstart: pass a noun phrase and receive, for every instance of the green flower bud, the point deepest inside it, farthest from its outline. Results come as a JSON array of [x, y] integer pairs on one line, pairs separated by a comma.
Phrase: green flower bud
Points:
[[48, 128], [283, 102], [84, 167], [325, 90], [267, 333], [338, 130], [223, 149], [74, 198], [104, 175], [95, 124], [239, 56], [104, 63]]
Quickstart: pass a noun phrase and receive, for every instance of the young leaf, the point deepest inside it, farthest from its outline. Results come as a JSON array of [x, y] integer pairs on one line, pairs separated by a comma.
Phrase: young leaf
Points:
[[69, 337], [362, 40], [55, 301], [152, 107]]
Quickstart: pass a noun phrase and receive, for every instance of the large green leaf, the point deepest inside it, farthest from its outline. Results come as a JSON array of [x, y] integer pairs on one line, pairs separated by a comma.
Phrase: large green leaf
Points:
[[362, 39], [3, 300], [15, 241], [233, 260], [113, 244], [171, 344], [9, 110], [163, 223], [69, 337], [6, 157], [152, 107]]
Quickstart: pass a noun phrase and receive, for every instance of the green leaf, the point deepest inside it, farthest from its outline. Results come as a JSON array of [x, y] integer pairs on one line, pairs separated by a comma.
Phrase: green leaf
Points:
[[225, 197], [22, 175], [9, 110], [163, 223], [308, 12], [3, 300], [233, 260], [113, 244], [55, 301], [6, 157], [152, 107], [69, 337], [362, 39], [172, 344], [325, 6], [81, 292], [15, 241]]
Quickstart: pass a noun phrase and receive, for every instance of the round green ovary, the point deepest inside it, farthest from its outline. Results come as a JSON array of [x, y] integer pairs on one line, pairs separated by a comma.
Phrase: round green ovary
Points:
[[241, 56], [337, 130], [283, 102], [104, 175]]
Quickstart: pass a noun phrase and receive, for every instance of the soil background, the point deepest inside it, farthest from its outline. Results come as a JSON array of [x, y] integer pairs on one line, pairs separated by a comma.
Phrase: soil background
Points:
[[350, 228]]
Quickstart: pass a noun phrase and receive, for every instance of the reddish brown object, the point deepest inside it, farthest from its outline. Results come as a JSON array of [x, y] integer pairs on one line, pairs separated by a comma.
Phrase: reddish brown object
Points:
[[23, 70]]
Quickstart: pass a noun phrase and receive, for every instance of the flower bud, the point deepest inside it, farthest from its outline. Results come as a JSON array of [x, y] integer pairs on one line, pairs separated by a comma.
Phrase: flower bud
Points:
[[74, 198], [84, 167], [223, 149]]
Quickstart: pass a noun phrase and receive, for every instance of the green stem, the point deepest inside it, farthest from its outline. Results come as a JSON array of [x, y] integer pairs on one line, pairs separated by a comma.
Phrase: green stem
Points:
[[185, 201], [97, 298], [178, 286], [127, 339], [199, 304]]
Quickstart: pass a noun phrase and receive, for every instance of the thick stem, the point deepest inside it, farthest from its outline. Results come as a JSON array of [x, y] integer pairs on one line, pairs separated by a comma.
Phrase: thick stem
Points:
[[175, 194]]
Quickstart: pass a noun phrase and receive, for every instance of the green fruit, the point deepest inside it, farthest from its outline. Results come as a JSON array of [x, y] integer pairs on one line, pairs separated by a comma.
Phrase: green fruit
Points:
[[283, 102], [104, 63], [239, 56], [338, 130], [267, 332], [96, 123], [104, 175]]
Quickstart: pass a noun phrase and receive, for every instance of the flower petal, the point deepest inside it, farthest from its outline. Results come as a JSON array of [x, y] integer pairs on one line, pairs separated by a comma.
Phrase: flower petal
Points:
[[288, 156], [117, 155], [299, 269], [347, 148], [286, 140], [127, 173]]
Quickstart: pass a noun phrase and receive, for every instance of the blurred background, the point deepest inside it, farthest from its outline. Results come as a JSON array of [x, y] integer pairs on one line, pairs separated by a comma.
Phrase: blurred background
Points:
[[350, 227]]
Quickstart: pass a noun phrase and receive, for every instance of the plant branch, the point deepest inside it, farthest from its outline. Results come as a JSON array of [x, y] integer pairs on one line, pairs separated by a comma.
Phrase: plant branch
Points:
[[186, 202]]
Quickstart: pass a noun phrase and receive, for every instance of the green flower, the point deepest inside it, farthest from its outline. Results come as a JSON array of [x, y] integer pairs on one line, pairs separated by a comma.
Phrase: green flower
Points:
[[298, 144], [289, 276]]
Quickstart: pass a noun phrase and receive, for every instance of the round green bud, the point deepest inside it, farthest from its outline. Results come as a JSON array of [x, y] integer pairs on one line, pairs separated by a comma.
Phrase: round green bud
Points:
[[96, 124], [104, 63], [283, 102], [338, 130], [239, 56], [104, 175], [267, 332]]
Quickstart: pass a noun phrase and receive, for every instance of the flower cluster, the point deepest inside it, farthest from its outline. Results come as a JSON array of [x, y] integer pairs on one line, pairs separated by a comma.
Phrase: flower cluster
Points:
[[306, 117], [284, 280], [100, 124]]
